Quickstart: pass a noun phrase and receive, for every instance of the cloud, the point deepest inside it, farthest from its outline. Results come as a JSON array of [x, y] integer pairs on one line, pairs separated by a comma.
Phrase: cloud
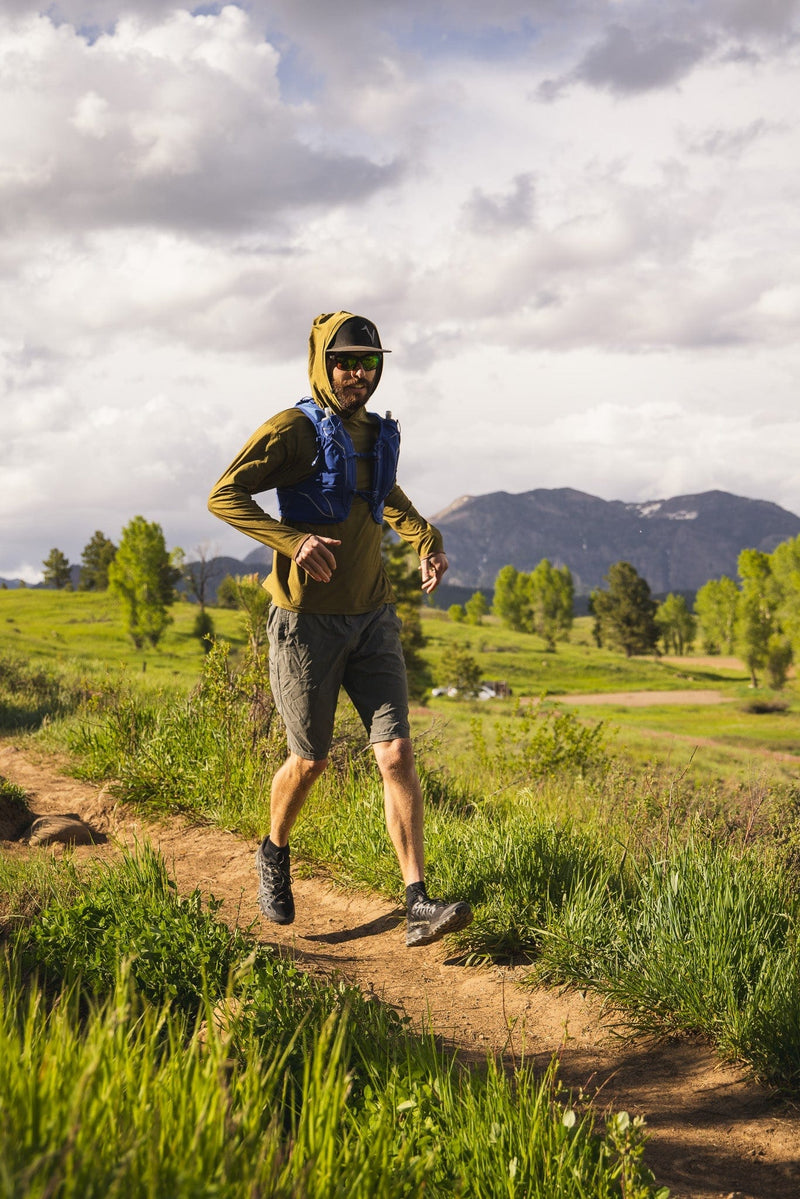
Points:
[[178, 125], [184, 191], [488, 214], [627, 61]]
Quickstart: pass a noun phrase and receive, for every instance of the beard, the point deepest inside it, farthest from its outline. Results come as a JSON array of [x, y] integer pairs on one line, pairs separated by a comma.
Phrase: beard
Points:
[[352, 396]]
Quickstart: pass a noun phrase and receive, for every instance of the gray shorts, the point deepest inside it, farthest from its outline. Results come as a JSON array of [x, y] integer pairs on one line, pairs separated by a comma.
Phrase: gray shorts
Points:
[[311, 657]]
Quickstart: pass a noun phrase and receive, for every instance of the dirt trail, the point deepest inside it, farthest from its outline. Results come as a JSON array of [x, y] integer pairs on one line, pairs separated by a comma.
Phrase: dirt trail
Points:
[[713, 1134]]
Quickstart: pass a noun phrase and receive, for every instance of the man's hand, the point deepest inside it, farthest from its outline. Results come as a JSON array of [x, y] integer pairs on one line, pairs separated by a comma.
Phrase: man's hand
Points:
[[316, 559], [433, 568]]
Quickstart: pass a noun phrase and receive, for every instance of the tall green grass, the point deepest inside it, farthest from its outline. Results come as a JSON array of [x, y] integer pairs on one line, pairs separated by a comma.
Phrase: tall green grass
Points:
[[123, 1095], [589, 901], [704, 941]]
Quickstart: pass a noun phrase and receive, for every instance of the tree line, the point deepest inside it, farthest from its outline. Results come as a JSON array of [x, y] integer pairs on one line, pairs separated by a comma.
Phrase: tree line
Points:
[[758, 619]]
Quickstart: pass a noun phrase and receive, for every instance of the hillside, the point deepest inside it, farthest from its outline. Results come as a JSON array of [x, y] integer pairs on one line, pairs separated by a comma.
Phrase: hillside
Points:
[[676, 544]]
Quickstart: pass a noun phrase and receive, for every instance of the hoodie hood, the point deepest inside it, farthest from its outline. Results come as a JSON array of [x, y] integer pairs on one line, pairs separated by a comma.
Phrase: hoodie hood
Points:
[[323, 331]]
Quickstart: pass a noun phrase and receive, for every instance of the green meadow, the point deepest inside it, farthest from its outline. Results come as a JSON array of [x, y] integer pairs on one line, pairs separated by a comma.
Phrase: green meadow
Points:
[[651, 854]]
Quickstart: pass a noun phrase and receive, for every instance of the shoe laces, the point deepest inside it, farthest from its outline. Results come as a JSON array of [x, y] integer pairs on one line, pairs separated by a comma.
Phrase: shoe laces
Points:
[[425, 909], [280, 878]]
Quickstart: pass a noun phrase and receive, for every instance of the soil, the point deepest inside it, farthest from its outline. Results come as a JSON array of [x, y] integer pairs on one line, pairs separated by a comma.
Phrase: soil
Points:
[[713, 1133], [645, 699]]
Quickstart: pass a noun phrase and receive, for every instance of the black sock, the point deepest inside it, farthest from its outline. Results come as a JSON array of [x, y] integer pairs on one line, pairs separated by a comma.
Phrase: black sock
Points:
[[273, 852], [414, 892]]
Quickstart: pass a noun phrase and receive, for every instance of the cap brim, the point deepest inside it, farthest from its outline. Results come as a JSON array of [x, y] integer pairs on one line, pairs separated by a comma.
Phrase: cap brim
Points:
[[358, 350]]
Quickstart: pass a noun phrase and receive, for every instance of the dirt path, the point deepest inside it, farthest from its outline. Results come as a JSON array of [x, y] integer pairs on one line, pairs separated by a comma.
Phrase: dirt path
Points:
[[713, 1134], [644, 699]]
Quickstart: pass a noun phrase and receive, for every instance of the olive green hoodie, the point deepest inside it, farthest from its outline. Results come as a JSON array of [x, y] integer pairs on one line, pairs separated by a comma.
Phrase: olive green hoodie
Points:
[[281, 453]]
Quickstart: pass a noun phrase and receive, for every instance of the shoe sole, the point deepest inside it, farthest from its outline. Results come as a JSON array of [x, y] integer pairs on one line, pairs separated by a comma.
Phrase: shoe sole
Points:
[[270, 915], [459, 918]]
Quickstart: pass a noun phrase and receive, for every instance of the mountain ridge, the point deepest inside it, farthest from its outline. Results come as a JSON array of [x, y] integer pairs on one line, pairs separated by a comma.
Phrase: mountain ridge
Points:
[[677, 543]]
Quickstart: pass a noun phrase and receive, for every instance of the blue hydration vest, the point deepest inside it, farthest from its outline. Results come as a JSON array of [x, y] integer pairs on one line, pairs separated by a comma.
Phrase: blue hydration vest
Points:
[[327, 497]]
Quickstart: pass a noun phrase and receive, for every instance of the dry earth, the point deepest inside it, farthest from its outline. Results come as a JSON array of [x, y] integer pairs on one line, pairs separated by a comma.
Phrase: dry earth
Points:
[[713, 1133]]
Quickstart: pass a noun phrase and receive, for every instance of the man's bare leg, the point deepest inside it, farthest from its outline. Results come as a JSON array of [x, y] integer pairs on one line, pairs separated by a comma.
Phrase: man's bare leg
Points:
[[290, 788], [428, 919], [402, 796]]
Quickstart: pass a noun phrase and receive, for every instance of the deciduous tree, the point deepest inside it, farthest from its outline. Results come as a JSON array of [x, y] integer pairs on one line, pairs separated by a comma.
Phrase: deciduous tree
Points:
[[550, 601], [715, 606], [510, 597], [142, 577], [676, 624], [476, 608], [757, 614]]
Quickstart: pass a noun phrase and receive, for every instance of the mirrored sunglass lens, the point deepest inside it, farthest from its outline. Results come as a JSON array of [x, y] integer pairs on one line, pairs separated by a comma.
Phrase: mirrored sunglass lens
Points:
[[351, 362]]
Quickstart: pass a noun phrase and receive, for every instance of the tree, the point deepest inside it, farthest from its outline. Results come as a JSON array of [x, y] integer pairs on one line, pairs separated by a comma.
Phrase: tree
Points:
[[226, 593], [785, 563], [757, 614], [779, 659], [56, 570], [476, 608], [462, 671], [676, 624], [715, 607], [97, 556], [625, 613], [203, 628], [550, 600], [142, 577], [254, 600], [198, 574], [456, 613], [402, 567], [510, 597]]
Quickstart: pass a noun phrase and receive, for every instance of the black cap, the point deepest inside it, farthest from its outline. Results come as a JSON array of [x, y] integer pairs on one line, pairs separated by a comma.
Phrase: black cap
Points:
[[356, 335]]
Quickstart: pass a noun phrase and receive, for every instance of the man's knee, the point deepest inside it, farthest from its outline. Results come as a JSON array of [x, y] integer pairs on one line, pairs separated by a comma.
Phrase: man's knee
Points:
[[304, 769], [395, 758]]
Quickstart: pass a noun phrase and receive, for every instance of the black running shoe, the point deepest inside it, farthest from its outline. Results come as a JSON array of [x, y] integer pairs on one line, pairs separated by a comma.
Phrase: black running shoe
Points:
[[431, 919], [275, 884]]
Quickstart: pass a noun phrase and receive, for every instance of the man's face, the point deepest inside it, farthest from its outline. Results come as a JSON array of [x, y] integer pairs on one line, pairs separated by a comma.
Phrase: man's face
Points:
[[352, 383]]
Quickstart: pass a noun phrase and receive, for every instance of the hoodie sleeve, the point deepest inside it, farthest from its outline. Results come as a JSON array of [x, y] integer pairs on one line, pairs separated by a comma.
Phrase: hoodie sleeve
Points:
[[280, 453], [403, 517]]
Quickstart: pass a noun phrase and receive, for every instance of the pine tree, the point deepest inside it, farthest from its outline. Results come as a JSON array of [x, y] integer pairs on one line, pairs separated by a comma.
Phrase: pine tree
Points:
[[625, 613], [97, 556], [56, 570]]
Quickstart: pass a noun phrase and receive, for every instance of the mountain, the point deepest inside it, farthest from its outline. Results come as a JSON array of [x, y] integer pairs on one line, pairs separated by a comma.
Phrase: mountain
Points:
[[676, 544]]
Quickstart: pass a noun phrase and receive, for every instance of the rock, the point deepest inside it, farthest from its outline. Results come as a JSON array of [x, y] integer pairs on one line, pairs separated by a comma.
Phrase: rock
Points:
[[66, 829]]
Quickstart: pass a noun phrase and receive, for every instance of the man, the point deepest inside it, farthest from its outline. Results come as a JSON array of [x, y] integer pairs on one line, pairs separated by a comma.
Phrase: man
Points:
[[332, 622]]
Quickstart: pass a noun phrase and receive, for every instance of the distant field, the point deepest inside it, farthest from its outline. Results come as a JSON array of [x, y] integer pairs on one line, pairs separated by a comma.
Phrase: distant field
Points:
[[83, 632], [723, 741]]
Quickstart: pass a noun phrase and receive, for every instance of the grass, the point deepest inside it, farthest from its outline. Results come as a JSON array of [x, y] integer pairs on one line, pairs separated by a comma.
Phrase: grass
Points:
[[280, 1086], [83, 631], [567, 836]]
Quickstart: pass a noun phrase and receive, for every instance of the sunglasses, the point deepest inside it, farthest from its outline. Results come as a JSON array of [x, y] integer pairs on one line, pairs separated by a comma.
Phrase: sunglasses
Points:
[[351, 362]]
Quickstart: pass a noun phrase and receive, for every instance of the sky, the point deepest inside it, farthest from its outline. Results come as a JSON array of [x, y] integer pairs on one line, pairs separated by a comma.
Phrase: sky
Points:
[[575, 223]]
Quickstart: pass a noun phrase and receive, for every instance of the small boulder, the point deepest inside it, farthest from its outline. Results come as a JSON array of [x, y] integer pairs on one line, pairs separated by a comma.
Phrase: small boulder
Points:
[[66, 830]]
